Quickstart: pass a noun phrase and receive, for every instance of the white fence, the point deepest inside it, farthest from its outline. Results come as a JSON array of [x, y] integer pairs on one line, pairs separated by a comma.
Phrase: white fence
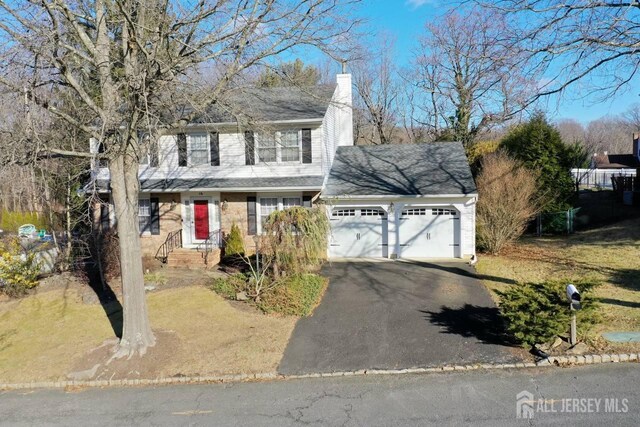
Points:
[[600, 178]]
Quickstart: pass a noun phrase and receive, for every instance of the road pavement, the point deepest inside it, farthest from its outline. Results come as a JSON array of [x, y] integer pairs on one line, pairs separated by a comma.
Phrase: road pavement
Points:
[[588, 395]]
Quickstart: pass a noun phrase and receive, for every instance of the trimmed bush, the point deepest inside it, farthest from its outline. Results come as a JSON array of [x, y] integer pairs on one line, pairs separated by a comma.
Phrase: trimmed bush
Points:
[[298, 295], [235, 242], [18, 271], [537, 312]]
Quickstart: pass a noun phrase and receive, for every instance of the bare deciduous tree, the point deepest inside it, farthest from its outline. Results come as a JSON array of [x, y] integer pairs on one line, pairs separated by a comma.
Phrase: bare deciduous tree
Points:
[[377, 87], [127, 63], [594, 42], [507, 201], [471, 74]]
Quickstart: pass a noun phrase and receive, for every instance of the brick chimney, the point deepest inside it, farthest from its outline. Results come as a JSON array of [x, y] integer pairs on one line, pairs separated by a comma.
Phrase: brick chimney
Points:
[[636, 146]]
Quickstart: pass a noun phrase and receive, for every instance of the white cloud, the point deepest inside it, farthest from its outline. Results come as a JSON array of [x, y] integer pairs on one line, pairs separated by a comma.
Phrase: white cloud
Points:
[[414, 4]]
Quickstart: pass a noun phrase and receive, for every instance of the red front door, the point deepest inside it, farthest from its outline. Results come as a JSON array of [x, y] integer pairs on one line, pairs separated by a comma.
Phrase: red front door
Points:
[[201, 219]]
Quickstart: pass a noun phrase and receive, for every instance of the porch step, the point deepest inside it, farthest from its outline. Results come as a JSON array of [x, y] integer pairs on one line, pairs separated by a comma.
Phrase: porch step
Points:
[[191, 258]]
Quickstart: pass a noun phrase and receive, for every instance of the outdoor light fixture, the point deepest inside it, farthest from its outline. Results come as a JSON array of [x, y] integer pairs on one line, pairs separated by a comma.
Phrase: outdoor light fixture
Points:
[[173, 204], [224, 205]]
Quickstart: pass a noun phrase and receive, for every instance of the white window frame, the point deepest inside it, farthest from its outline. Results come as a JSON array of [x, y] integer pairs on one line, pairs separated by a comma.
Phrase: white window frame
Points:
[[281, 145], [280, 203], [261, 137], [147, 199], [190, 138], [277, 138]]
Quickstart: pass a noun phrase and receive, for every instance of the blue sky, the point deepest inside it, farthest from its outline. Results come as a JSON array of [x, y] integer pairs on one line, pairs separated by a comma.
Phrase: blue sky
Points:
[[405, 20]]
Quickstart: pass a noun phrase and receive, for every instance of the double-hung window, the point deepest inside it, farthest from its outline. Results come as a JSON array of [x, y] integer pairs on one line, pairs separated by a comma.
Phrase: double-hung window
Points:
[[278, 147], [272, 204], [289, 202], [144, 215], [289, 146], [267, 147], [267, 205], [198, 145]]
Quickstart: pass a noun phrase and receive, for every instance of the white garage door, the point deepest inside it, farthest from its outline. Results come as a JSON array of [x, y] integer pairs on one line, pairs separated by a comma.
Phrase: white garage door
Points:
[[358, 233], [429, 233]]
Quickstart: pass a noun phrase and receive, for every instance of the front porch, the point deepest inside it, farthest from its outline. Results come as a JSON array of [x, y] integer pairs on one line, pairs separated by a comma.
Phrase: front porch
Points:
[[187, 229]]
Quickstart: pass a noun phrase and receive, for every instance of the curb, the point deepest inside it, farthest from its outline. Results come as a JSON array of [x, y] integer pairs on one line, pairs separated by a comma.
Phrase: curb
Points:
[[552, 361]]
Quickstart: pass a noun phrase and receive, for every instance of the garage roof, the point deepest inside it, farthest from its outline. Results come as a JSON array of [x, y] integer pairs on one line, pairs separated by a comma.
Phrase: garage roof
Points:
[[400, 170]]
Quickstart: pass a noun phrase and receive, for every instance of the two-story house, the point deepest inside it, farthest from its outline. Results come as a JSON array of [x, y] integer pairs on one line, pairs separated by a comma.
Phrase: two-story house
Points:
[[413, 200]]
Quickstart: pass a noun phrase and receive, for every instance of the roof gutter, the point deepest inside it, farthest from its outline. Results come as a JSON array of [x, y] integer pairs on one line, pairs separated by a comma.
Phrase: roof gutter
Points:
[[232, 189], [398, 196]]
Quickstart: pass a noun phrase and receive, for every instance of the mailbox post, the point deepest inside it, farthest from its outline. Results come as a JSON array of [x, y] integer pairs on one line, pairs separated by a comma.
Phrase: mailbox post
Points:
[[574, 304]]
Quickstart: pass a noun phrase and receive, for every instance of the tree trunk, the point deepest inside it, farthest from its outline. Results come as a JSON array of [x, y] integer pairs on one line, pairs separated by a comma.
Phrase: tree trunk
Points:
[[136, 331]]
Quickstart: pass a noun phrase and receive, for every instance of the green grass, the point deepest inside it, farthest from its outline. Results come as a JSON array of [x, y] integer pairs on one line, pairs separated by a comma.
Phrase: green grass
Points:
[[609, 255]]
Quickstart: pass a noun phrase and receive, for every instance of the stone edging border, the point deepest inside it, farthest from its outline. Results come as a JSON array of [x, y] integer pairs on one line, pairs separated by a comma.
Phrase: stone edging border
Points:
[[551, 361]]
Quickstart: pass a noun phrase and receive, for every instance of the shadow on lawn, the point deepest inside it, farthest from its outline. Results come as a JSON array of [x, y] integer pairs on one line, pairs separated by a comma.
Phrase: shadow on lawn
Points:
[[483, 323], [627, 278], [462, 270], [108, 300]]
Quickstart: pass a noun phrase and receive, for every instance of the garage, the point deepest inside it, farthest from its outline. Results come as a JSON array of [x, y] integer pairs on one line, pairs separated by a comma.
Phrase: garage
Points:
[[429, 232], [401, 201], [358, 232]]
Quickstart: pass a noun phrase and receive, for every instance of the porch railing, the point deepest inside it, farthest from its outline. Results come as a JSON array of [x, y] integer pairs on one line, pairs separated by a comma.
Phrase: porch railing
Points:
[[214, 241], [172, 242]]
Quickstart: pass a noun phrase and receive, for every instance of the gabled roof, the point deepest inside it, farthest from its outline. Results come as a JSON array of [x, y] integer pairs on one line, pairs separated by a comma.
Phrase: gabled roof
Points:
[[400, 170], [616, 161], [270, 105]]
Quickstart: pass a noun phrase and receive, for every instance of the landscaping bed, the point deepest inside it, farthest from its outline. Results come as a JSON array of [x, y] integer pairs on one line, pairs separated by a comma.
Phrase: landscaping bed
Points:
[[608, 256]]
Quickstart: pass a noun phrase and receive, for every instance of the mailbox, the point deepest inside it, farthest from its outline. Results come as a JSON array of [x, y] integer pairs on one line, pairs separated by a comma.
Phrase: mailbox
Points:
[[574, 297]]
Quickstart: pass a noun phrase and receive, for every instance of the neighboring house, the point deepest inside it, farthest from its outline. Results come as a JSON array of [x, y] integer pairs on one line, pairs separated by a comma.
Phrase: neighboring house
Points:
[[606, 166], [217, 171]]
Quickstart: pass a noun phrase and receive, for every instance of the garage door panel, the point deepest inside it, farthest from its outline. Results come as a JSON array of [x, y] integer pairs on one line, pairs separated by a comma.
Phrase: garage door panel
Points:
[[428, 233], [358, 232]]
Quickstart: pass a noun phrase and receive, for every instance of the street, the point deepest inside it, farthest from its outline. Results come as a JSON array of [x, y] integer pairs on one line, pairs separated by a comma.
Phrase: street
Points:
[[590, 395]]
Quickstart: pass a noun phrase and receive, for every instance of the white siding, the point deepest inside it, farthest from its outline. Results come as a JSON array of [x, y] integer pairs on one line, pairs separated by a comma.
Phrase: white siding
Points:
[[232, 161]]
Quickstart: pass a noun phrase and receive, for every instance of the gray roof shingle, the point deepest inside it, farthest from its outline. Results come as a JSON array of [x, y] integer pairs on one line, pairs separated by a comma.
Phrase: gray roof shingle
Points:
[[270, 105], [180, 184], [403, 170]]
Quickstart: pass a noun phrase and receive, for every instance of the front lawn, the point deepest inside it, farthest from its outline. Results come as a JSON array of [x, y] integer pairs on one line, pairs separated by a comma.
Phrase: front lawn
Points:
[[610, 255], [53, 333]]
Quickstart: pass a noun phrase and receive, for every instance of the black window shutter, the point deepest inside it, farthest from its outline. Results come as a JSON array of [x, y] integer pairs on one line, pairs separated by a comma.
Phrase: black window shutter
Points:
[[306, 201], [306, 146], [182, 149], [249, 148], [155, 215], [104, 216], [214, 145], [252, 224]]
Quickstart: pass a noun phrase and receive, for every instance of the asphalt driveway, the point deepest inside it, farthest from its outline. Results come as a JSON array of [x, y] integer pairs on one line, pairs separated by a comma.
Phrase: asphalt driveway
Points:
[[398, 314]]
